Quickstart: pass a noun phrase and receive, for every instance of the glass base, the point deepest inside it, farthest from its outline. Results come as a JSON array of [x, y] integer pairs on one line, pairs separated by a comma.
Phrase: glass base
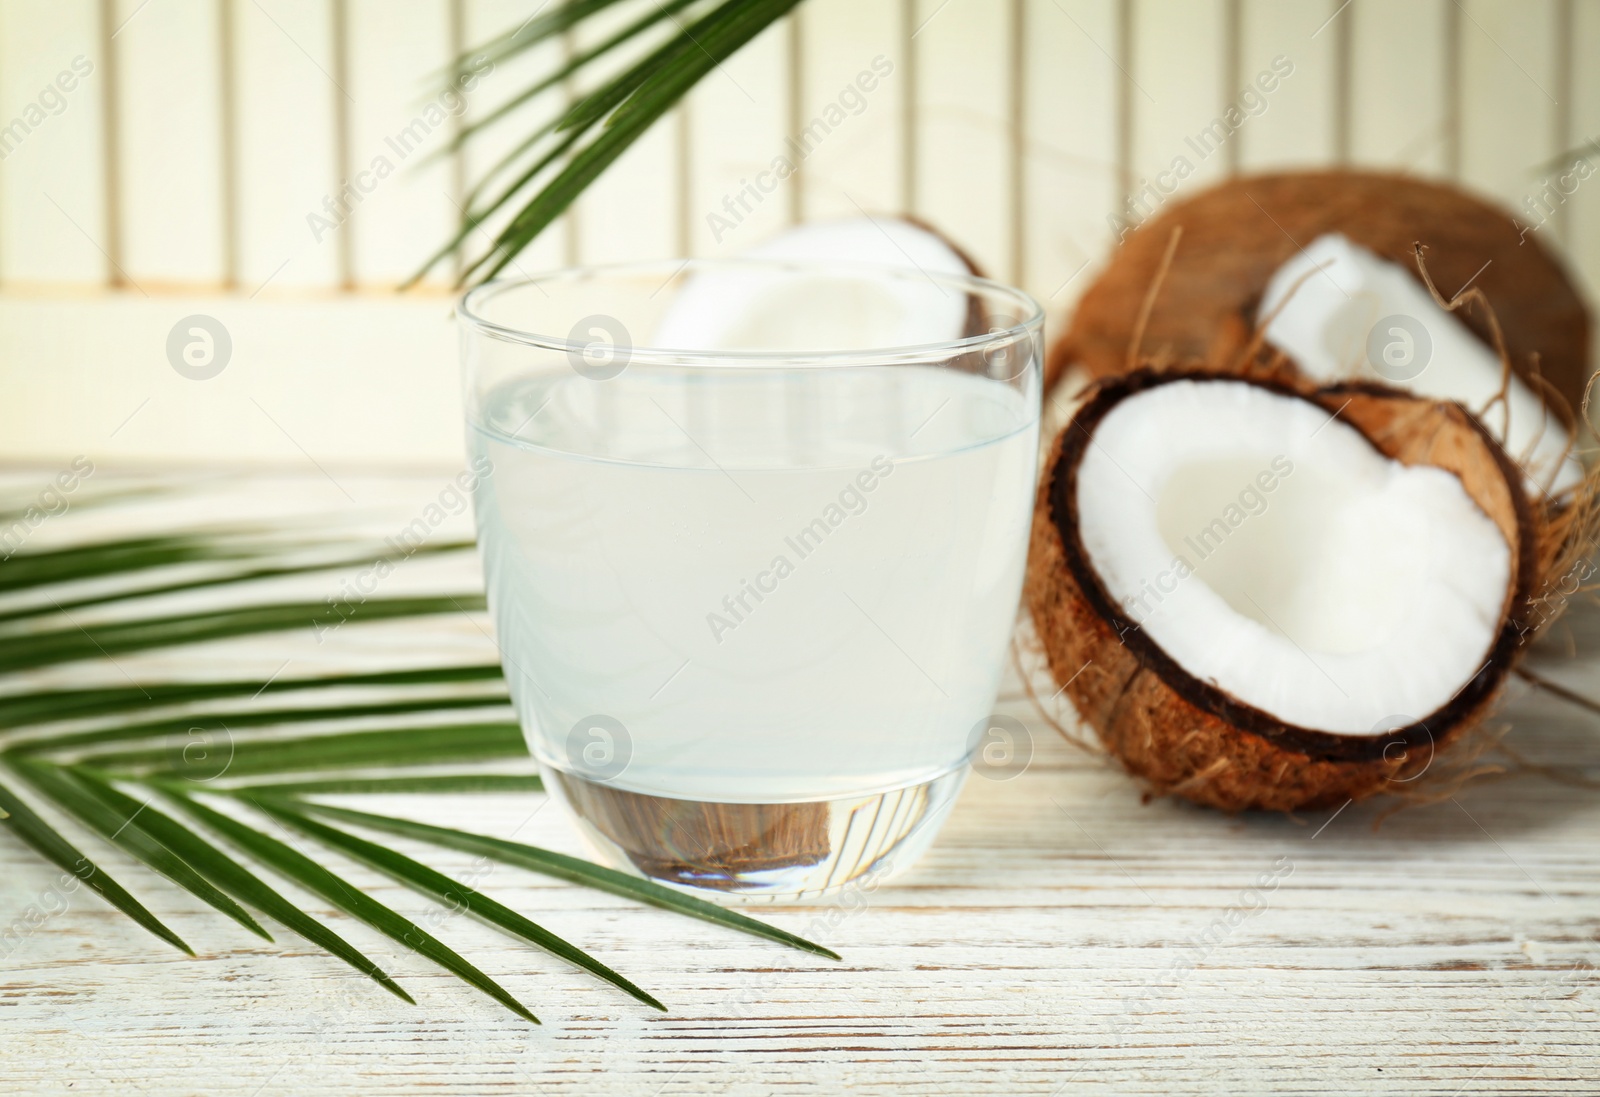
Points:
[[790, 851]]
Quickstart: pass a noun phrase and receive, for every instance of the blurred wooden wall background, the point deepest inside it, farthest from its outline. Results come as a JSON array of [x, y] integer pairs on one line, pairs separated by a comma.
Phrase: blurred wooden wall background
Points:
[[181, 173]]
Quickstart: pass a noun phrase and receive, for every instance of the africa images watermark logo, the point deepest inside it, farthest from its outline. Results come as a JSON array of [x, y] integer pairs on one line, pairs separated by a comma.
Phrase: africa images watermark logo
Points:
[[52, 501], [1148, 196], [403, 143], [199, 347], [851, 101], [851, 501], [1250, 502], [51, 100]]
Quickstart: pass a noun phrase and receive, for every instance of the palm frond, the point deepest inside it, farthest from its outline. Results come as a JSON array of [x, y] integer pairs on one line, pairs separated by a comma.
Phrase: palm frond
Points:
[[677, 43], [93, 812], [110, 760], [21, 820], [296, 866], [238, 881], [575, 871], [431, 882]]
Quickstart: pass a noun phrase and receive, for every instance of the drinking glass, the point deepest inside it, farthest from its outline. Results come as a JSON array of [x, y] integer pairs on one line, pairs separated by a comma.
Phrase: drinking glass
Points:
[[753, 535]]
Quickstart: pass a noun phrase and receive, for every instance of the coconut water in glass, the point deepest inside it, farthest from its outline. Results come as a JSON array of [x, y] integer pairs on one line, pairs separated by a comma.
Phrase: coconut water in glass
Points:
[[753, 536]]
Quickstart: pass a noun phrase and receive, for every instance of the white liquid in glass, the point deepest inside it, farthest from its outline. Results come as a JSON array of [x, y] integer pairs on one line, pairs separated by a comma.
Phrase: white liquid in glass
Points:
[[785, 587]]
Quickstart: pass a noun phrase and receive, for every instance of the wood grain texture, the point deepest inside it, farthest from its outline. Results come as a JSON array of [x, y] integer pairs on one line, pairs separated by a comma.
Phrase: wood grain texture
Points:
[[1061, 936]]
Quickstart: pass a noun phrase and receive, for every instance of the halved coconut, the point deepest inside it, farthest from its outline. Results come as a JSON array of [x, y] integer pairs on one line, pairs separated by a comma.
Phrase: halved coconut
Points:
[[1255, 237], [734, 309], [1260, 598]]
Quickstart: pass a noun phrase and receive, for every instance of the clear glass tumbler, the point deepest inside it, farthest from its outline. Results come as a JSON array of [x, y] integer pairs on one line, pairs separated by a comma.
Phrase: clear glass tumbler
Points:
[[754, 536]]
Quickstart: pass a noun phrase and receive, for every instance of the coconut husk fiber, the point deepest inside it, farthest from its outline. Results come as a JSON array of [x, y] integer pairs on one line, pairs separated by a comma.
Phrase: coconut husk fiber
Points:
[[1237, 234]]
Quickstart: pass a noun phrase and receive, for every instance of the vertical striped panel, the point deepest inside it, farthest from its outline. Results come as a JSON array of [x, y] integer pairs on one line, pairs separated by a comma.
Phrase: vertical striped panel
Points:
[[962, 164], [1287, 120], [634, 210], [170, 119], [1583, 206], [1007, 123], [485, 20], [52, 202], [1399, 113], [285, 144], [400, 208], [738, 130], [1073, 80], [1178, 72], [853, 162], [1508, 99]]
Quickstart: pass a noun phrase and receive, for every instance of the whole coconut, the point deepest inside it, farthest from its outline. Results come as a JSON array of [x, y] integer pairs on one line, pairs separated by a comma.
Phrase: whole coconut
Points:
[[1238, 233]]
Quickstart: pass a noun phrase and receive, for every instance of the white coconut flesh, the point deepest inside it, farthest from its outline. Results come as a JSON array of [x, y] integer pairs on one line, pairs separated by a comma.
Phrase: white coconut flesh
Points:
[[1271, 550], [833, 309], [1341, 292]]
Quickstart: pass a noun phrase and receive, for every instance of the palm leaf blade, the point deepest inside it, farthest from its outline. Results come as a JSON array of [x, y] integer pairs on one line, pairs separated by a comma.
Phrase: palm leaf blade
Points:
[[574, 870], [420, 877], [43, 838], [629, 102], [452, 743], [574, 65], [239, 881], [155, 729], [20, 709], [424, 783], [120, 828], [239, 575], [296, 866], [75, 643]]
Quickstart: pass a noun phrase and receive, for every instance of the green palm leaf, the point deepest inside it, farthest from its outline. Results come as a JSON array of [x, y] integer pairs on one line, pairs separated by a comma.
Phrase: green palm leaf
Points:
[[238, 881], [294, 865], [269, 755], [425, 783], [573, 870], [120, 827], [610, 117], [456, 895], [160, 729], [21, 821], [39, 649], [21, 709], [397, 747]]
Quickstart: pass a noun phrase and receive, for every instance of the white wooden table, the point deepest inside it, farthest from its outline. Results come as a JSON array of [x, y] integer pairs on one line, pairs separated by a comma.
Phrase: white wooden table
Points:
[[1061, 936]]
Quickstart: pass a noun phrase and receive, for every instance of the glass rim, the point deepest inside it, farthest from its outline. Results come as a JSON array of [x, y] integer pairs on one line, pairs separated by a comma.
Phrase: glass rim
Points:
[[470, 306]]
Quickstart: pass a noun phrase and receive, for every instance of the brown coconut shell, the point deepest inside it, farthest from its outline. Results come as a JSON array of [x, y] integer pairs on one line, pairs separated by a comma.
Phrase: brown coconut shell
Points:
[[1190, 738], [1238, 233], [705, 845]]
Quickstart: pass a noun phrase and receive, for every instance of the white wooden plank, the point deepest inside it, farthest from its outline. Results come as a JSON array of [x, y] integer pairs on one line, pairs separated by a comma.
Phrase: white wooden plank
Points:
[[1060, 936], [1179, 48], [1070, 187], [1287, 82], [633, 211], [962, 166], [52, 178], [88, 374], [1399, 117], [741, 162], [853, 161], [170, 141], [1509, 96], [285, 136], [486, 20], [1583, 206], [399, 116]]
